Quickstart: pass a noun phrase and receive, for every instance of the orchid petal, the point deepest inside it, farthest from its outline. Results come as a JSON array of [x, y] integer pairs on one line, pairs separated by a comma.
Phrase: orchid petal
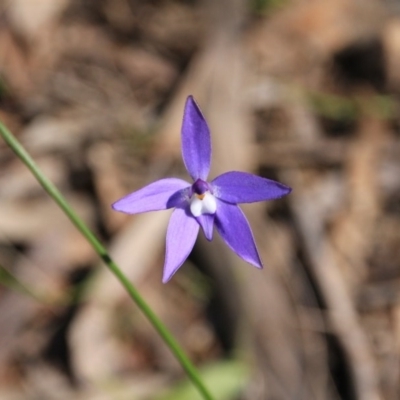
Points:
[[181, 235], [196, 142], [159, 195], [205, 205], [234, 228], [241, 187], [206, 221]]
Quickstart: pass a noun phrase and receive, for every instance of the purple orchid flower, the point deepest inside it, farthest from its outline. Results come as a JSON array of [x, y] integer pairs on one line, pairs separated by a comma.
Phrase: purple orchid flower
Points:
[[202, 203]]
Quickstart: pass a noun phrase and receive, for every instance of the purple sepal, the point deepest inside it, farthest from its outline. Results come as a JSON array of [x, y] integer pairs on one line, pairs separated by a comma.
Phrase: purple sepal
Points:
[[159, 195], [241, 187], [196, 142], [181, 235], [234, 228]]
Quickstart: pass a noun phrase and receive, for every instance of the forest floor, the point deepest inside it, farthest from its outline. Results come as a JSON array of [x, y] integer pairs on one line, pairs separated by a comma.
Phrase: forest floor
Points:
[[304, 92]]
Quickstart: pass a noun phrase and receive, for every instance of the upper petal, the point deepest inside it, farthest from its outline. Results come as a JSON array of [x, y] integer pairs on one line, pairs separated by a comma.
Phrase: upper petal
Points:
[[159, 195], [242, 187], [196, 142], [181, 235], [234, 228]]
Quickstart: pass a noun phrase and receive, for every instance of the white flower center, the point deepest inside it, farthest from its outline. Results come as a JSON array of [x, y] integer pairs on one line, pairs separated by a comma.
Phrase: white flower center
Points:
[[203, 204]]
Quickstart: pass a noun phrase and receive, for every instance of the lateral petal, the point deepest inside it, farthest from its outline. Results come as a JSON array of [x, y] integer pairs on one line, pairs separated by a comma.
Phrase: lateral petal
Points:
[[234, 228], [159, 195], [181, 235], [241, 187], [196, 142]]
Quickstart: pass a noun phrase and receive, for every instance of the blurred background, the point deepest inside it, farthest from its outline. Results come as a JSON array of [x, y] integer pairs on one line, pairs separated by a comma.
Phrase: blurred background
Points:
[[304, 92]]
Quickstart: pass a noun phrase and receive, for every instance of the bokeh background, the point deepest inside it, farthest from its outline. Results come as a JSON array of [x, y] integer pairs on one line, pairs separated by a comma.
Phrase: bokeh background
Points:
[[302, 91]]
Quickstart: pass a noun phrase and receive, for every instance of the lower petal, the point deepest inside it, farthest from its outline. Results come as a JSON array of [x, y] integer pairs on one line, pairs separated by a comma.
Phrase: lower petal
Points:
[[181, 235], [234, 228], [206, 221]]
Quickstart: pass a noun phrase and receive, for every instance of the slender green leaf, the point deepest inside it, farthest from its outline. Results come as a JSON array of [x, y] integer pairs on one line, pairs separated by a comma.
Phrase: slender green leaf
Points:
[[225, 380], [56, 195]]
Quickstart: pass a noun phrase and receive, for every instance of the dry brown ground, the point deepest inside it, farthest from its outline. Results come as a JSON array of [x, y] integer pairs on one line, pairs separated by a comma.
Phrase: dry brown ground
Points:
[[306, 92]]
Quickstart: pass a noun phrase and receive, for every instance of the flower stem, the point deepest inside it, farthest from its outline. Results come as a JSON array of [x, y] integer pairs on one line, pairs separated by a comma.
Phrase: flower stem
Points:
[[102, 252]]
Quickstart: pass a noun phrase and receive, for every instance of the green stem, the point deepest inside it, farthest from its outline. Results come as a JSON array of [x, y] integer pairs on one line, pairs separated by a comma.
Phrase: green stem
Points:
[[102, 252]]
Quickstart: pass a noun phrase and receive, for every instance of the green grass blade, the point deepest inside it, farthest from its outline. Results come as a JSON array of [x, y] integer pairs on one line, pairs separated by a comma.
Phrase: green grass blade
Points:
[[56, 195]]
